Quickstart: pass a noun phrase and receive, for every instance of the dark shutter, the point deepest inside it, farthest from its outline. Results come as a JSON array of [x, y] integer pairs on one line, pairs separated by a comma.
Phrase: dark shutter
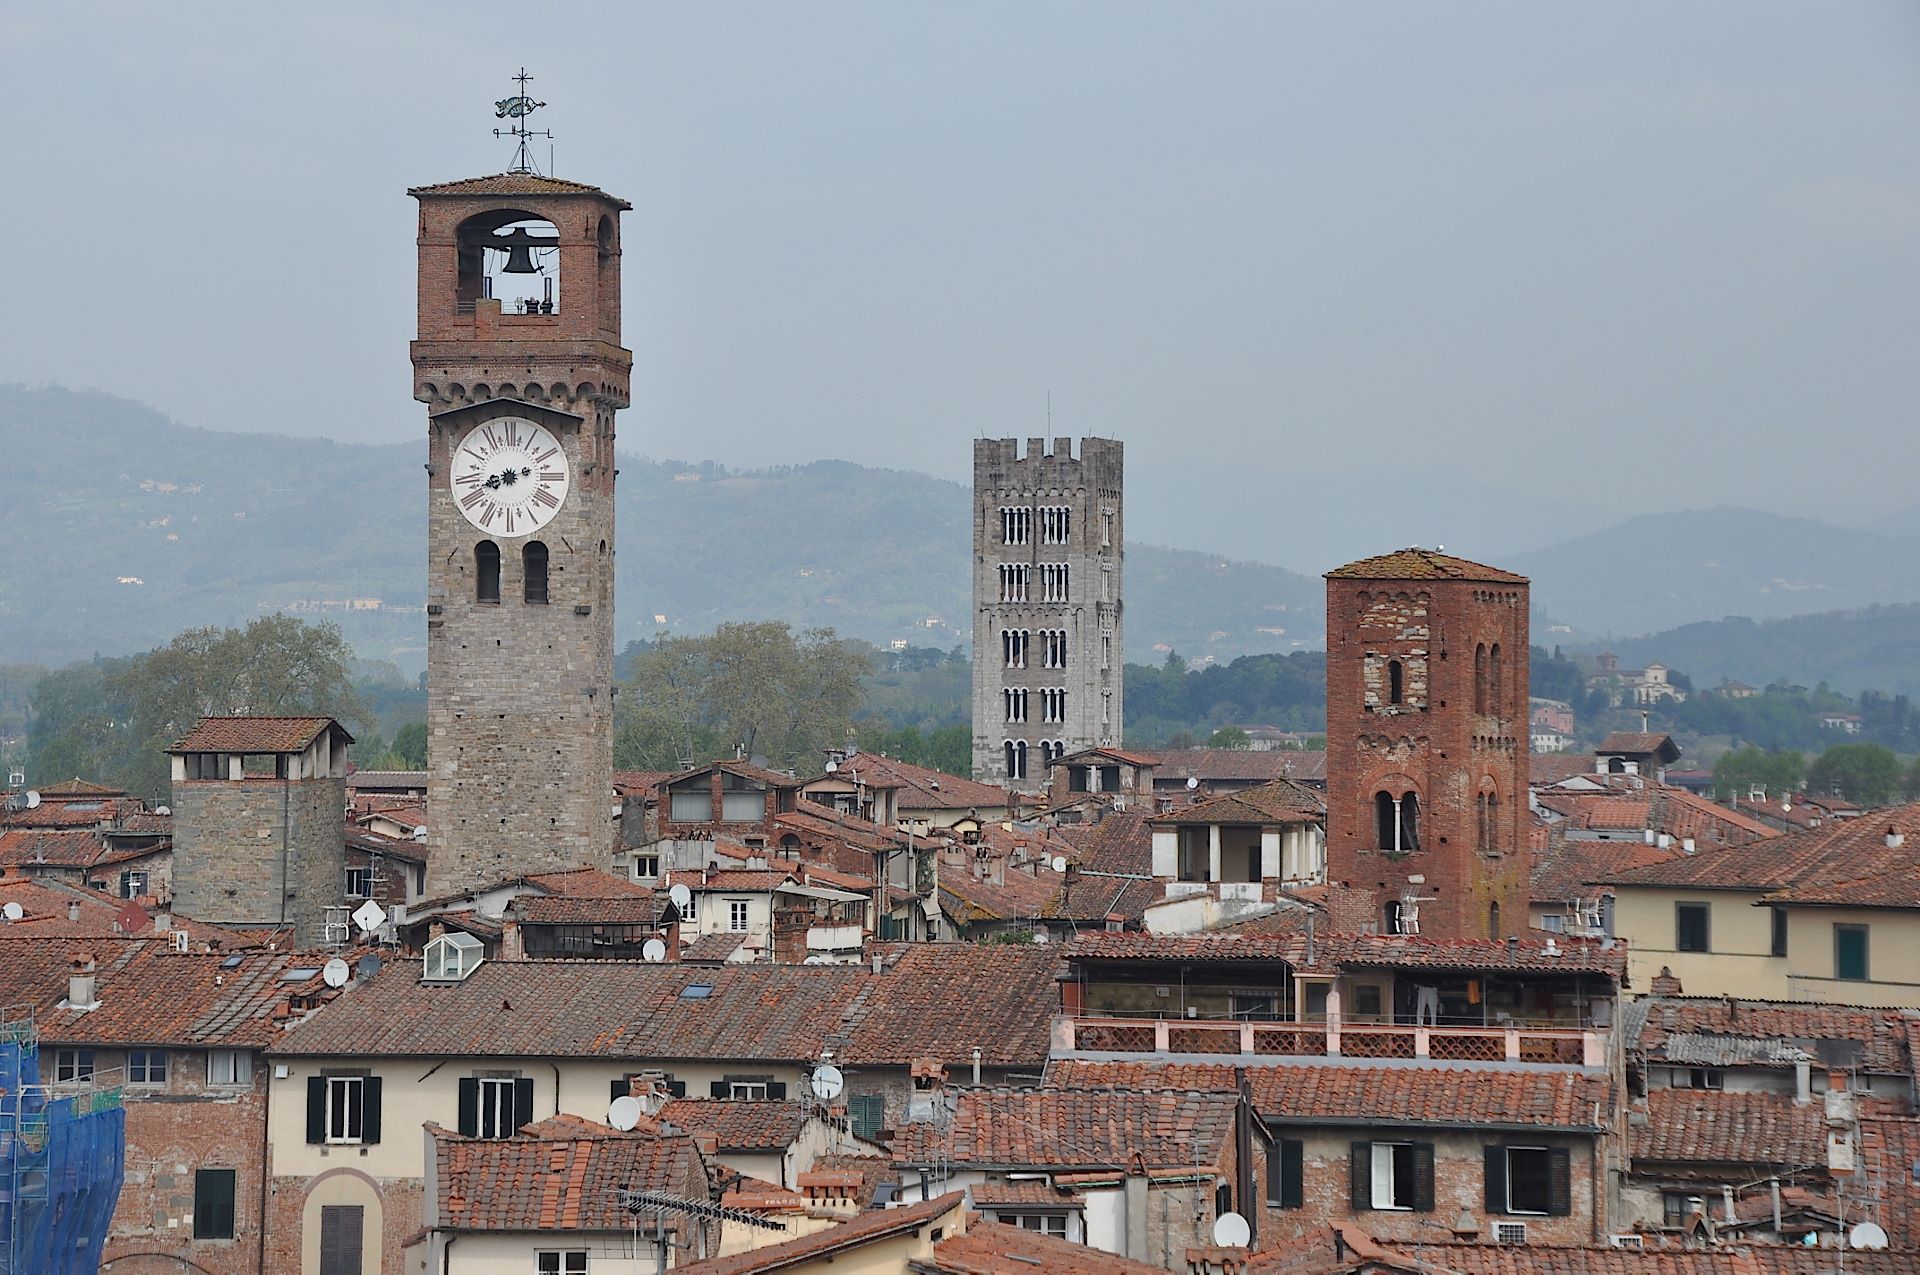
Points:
[[1293, 1185], [213, 1204], [1560, 1182], [1423, 1177], [316, 1108], [522, 1103], [370, 1112], [1275, 1174], [777, 1089], [1360, 1176], [622, 1088], [1496, 1158], [677, 1088], [340, 1238], [469, 1107], [719, 1089]]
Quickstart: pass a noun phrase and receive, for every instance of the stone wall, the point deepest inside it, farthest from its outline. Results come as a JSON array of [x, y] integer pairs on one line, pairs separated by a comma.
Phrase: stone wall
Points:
[[260, 852]]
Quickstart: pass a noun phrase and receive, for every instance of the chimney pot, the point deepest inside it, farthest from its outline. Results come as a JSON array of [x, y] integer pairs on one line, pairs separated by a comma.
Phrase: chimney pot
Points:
[[1895, 839], [73, 910]]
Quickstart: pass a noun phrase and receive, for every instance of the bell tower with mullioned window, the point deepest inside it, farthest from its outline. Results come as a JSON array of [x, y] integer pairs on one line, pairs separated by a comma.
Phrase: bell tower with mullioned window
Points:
[[519, 363]]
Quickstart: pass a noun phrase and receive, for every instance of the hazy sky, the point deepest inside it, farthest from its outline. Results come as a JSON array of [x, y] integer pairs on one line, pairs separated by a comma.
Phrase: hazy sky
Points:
[[1641, 256]]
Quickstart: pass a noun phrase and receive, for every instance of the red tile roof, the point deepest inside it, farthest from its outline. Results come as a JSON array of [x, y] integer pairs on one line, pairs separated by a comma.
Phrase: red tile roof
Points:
[[995, 1248], [586, 883], [560, 1174], [1844, 862], [253, 734], [57, 849], [67, 789], [738, 1125], [921, 787], [514, 184], [1358, 951], [713, 947], [940, 1000], [559, 909], [1630, 743], [1278, 801], [1684, 1023], [1175, 766], [1357, 1252], [1030, 1128], [1726, 1127], [1567, 868], [1416, 563], [1306, 1093], [820, 1246], [1040, 1194]]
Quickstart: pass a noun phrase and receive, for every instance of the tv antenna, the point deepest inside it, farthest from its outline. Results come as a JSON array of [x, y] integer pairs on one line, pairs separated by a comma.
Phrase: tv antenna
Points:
[[517, 108]]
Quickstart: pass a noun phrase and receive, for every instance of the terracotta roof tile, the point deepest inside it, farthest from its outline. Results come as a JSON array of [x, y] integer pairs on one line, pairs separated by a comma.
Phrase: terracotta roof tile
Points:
[[739, 1125], [252, 734], [1277, 801], [514, 184], [560, 909], [1727, 1127], [560, 1174], [940, 1000], [1422, 564], [921, 787], [77, 787], [994, 1248], [822, 1245], [1872, 1038], [1357, 951], [1093, 1129], [69, 849], [1843, 862]]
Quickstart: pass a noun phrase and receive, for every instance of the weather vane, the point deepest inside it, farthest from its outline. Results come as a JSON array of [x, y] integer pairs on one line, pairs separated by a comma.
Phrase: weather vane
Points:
[[517, 109]]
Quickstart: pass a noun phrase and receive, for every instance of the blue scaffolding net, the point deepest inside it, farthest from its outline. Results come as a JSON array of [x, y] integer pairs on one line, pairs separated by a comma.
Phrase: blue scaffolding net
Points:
[[61, 1157]]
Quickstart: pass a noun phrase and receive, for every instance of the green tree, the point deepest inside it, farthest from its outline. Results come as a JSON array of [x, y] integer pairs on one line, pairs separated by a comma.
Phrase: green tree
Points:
[[1911, 785], [1229, 737], [1742, 769], [1866, 773], [410, 745]]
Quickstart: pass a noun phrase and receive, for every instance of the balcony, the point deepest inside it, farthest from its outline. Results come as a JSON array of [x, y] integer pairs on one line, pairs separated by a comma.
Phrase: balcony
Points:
[[1244, 1041]]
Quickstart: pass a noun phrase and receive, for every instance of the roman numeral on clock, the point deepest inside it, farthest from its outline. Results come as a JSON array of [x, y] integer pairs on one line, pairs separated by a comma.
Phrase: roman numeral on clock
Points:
[[473, 498], [547, 498], [552, 476]]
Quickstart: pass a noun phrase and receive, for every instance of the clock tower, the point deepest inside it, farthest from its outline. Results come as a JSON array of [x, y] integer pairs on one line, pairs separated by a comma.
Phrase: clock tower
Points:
[[519, 363]]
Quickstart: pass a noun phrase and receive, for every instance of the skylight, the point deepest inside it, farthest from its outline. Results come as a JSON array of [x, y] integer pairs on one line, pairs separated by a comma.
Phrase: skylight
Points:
[[696, 991]]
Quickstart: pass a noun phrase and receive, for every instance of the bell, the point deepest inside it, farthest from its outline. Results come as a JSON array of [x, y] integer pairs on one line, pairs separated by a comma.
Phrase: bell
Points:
[[519, 248]]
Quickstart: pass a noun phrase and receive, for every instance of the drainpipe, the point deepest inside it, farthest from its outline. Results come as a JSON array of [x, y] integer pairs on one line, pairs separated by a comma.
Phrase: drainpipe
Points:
[[266, 1123]]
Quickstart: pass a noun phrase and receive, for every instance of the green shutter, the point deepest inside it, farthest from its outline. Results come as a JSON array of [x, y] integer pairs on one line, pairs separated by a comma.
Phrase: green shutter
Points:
[[316, 1109], [370, 1111], [1496, 1158], [1360, 1176], [213, 1204], [1292, 1173], [469, 1106]]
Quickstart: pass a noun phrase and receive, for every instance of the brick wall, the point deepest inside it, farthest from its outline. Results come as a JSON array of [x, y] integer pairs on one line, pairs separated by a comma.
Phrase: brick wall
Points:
[[1433, 743]]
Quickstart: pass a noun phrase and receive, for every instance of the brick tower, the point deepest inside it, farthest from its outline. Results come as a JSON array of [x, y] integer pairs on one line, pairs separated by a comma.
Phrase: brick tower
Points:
[[1048, 549], [1427, 742], [519, 363]]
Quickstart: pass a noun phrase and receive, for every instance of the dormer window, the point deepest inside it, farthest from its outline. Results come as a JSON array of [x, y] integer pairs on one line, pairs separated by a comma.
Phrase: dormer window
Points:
[[451, 957]]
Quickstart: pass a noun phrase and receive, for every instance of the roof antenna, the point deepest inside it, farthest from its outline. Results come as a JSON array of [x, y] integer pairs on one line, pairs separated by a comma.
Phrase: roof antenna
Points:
[[517, 108]]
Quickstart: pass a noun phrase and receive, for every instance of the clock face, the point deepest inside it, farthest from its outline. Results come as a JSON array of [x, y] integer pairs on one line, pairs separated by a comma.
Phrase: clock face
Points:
[[509, 476]]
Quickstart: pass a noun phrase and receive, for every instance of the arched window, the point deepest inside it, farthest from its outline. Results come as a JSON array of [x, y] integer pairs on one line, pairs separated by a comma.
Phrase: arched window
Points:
[[1391, 916], [1385, 820], [1493, 920], [1396, 683], [534, 559], [1480, 678], [1490, 840], [486, 572], [1409, 823], [1495, 690]]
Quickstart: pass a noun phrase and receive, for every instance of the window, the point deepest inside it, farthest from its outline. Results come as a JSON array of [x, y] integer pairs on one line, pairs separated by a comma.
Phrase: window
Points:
[[147, 1067], [1013, 647], [73, 1066], [359, 882], [1480, 678], [1053, 704], [342, 1227], [743, 807], [1396, 822], [646, 866], [486, 572], [1016, 700], [494, 1106], [749, 1088], [736, 916], [1779, 931], [229, 1067], [1493, 920], [1691, 932], [533, 561], [690, 914], [343, 1109], [1106, 526], [1367, 1000], [1285, 1169], [1016, 750], [1054, 1224], [1534, 1181], [565, 1261], [1495, 679], [213, 1204], [1676, 1208], [1264, 1006], [1703, 1078], [869, 1114], [623, 1087], [1392, 1176], [1554, 922], [1850, 952], [133, 883], [1396, 682], [1393, 919]]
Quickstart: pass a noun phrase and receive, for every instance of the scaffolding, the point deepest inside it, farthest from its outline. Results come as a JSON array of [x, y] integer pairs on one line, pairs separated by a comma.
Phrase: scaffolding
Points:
[[60, 1162]]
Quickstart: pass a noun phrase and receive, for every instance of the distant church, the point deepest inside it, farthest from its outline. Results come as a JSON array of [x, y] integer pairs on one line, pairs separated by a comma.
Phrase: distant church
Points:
[[519, 363]]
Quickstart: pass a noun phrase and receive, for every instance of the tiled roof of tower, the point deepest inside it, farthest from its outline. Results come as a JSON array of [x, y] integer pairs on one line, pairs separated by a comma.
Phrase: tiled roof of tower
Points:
[[1422, 564], [737, 1124], [515, 184], [559, 1174], [1080, 1129], [1725, 1127], [1343, 1093], [252, 735], [1277, 801]]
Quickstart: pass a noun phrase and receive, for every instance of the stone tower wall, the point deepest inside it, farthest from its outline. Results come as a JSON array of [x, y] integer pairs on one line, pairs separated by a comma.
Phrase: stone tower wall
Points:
[[242, 847], [1433, 743], [1090, 486]]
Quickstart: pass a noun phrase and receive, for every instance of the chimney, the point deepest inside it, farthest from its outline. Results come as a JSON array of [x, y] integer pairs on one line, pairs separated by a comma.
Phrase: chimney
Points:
[[1895, 839], [73, 910], [1133, 1194], [790, 927], [1664, 983], [162, 921], [82, 985], [1803, 1081], [512, 946]]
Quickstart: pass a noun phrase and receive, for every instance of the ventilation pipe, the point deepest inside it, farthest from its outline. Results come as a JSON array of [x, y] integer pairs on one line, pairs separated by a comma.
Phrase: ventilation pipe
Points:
[[1803, 1081]]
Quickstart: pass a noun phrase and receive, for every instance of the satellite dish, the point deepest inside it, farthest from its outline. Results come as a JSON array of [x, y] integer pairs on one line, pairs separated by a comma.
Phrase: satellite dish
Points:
[[1059, 863], [624, 1112], [1867, 1235], [827, 1082], [653, 950], [33, 801], [420, 833], [368, 966], [1193, 781], [681, 896], [832, 766], [1230, 1230], [335, 972], [369, 916], [13, 911]]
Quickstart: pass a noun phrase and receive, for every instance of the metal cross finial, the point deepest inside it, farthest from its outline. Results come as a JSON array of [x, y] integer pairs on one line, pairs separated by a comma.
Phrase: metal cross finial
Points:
[[517, 108]]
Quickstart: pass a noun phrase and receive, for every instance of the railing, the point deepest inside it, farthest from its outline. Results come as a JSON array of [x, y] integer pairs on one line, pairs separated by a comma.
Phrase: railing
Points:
[[1562, 1046]]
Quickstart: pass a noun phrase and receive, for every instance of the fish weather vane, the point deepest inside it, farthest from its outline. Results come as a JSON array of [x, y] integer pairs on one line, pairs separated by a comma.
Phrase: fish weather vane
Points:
[[517, 108]]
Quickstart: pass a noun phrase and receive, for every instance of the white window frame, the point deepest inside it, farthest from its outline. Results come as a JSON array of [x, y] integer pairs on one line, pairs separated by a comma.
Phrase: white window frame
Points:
[[495, 1107], [229, 1068], [1054, 1224], [739, 912], [134, 883], [1382, 1178], [140, 1066], [346, 1110], [747, 1090], [646, 866], [1519, 1212], [560, 1261], [73, 1066], [361, 873]]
